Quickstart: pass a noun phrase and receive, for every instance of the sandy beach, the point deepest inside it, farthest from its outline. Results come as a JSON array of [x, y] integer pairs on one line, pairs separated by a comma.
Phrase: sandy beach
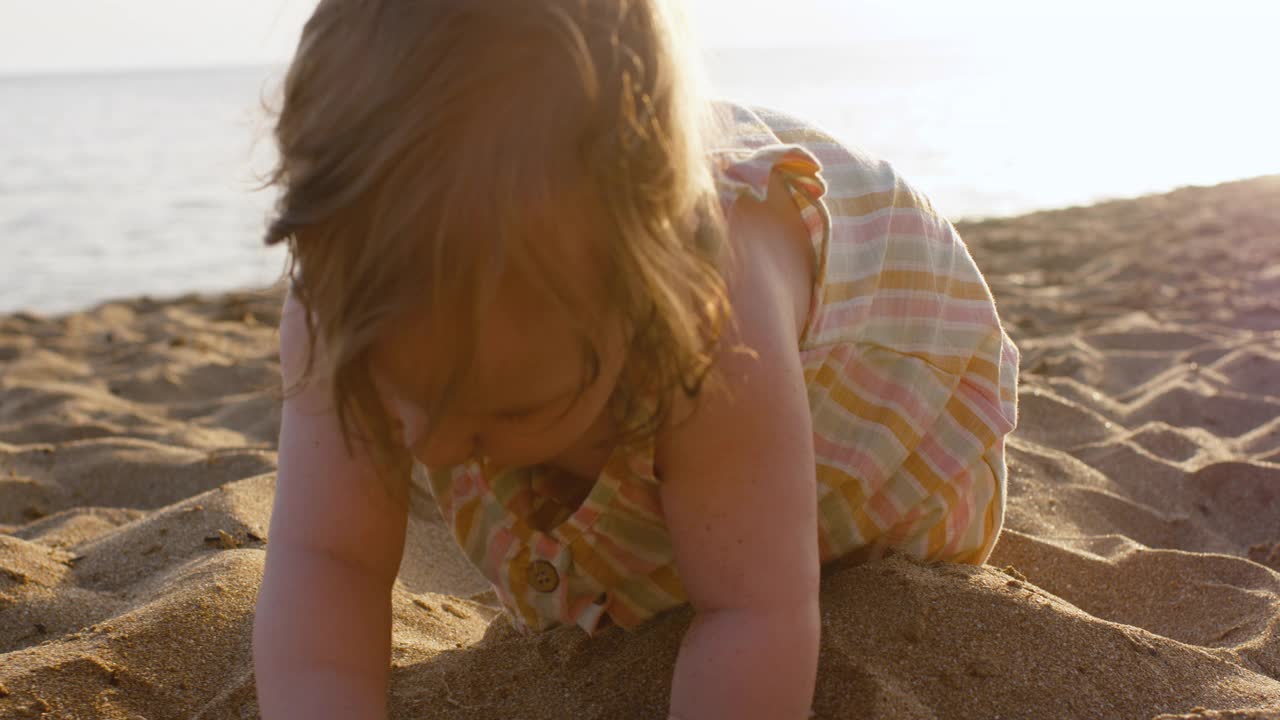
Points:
[[1138, 575]]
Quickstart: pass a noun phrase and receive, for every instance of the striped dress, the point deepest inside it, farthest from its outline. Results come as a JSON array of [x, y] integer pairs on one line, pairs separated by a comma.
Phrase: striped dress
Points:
[[911, 384]]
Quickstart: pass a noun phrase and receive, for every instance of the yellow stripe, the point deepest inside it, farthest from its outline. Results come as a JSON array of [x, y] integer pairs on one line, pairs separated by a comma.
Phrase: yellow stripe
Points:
[[937, 539], [800, 166], [802, 135], [976, 555], [929, 480], [867, 528], [518, 579], [586, 558], [952, 500], [464, 519], [919, 280], [1008, 392], [625, 612], [965, 418], [851, 489], [901, 197], [668, 581], [861, 205], [856, 405], [836, 478], [985, 369]]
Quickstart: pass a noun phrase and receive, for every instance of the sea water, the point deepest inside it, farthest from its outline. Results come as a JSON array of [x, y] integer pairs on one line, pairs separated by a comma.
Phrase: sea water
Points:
[[123, 184]]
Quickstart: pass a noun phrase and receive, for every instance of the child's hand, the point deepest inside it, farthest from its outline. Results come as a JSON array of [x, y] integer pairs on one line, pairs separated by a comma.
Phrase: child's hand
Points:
[[740, 499]]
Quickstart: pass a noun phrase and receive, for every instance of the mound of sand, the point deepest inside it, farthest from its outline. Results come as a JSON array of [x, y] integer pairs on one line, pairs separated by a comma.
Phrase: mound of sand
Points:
[[1137, 578]]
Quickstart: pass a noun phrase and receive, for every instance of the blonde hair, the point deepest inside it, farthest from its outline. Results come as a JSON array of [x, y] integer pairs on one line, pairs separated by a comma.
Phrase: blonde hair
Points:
[[426, 144]]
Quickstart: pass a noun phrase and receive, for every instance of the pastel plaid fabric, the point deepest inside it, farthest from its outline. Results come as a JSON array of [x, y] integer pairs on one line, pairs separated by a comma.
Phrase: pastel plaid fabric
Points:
[[912, 384]]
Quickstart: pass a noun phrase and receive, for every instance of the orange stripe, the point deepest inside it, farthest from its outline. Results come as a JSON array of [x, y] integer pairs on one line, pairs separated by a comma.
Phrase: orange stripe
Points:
[[625, 612], [937, 539], [863, 204], [799, 165], [951, 499], [586, 558], [464, 519], [929, 480], [900, 197], [826, 551], [856, 405], [518, 579], [977, 555], [868, 530], [918, 280], [668, 580], [836, 478], [858, 505], [985, 369], [965, 418], [1008, 393], [521, 530], [951, 364], [886, 513], [849, 488]]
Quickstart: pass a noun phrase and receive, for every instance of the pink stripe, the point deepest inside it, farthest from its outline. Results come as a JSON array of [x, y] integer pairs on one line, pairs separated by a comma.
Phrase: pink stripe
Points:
[[933, 306], [641, 464], [940, 457], [479, 482], [835, 157], [1010, 354], [585, 516], [806, 185], [881, 506], [576, 610], [990, 409], [881, 391], [618, 555], [857, 311], [814, 222], [545, 546], [640, 498], [462, 484], [960, 516], [496, 552], [903, 528], [849, 459], [755, 171], [890, 223], [848, 314]]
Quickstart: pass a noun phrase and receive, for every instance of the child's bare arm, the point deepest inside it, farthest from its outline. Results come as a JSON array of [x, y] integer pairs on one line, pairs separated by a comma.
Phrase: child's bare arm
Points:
[[322, 631], [739, 497], [321, 640]]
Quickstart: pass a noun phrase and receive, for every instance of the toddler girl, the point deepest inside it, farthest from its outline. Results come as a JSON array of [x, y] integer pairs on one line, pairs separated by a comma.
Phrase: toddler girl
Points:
[[652, 349]]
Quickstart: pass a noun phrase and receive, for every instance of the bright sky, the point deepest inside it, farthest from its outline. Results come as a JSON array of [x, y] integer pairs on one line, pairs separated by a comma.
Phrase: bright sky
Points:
[[54, 35]]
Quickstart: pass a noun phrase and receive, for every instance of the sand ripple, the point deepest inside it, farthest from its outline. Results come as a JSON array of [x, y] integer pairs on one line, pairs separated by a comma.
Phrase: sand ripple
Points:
[[1139, 575]]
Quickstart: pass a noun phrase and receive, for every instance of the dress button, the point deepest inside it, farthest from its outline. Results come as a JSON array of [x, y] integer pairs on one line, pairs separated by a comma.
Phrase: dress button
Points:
[[543, 576]]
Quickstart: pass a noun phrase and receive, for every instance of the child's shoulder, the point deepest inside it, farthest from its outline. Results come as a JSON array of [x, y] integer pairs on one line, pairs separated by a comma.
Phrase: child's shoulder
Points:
[[773, 247], [768, 269], [755, 139]]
